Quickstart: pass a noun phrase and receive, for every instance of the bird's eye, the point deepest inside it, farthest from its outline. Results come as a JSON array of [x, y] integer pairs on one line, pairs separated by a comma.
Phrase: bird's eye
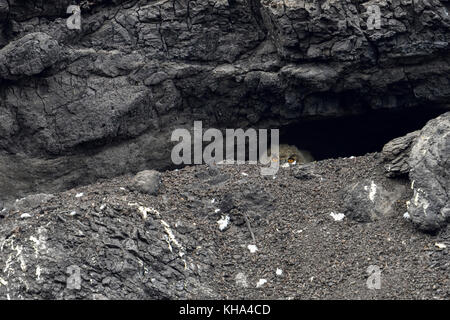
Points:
[[291, 160]]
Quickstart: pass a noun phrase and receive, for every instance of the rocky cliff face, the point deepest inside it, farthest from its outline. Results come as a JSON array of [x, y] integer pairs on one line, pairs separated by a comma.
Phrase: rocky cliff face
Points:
[[78, 105]]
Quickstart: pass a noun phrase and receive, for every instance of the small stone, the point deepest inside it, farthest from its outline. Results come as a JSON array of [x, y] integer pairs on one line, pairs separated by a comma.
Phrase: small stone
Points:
[[261, 282], [241, 280], [147, 181]]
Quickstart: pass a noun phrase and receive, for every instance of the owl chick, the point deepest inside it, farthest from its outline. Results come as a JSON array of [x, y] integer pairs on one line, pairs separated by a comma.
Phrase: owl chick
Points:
[[291, 155]]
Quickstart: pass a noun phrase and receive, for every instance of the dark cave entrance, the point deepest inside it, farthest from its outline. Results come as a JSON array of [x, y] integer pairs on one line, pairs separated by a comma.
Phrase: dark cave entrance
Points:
[[355, 135]]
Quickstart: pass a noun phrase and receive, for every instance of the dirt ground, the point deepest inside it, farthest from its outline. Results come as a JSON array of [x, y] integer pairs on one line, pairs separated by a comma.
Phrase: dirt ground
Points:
[[299, 250]]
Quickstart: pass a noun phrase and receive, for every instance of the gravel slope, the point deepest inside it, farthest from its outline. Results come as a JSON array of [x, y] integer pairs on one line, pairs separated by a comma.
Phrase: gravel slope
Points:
[[319, 258]]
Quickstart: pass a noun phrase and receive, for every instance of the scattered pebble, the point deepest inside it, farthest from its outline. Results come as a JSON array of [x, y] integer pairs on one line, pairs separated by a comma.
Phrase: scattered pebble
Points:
[[337, 216], [279, 272], [253, 248], [261, 282], [223, 222], [440, 245], [79, 195]]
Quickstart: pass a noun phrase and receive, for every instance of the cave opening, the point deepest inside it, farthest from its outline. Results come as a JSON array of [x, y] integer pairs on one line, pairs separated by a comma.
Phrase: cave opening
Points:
[[355, 135]]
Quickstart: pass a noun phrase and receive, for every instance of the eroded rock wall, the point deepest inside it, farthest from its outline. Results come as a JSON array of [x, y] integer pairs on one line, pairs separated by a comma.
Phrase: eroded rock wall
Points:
[[78, 105]]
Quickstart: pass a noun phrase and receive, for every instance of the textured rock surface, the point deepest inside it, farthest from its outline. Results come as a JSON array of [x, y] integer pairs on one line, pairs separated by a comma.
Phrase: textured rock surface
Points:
[[147, 181], [429, 161], [103, 242], [369, 200], [31, 202], [396, 154], [78, 105]]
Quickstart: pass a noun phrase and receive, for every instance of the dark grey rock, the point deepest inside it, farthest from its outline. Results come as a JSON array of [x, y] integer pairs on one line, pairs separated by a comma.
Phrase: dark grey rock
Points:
[[31, 202], [147, 181], [429, 208], [396, 155], [79, 105], [368, 200], [28, 56], [107, 256]]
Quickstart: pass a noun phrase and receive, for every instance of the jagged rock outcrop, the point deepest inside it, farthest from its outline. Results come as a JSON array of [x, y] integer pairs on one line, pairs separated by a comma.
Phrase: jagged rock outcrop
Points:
[[429, 161], [78, 105], [396, 154], [110, 250], [423, 156]]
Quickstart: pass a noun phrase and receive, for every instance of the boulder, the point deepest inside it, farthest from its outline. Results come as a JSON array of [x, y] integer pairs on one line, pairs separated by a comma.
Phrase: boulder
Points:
[[369, 200], [147, 181], [28, 56], [429, 163]]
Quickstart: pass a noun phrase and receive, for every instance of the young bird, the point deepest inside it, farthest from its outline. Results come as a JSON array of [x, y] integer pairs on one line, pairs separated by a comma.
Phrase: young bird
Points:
[[290, 155]]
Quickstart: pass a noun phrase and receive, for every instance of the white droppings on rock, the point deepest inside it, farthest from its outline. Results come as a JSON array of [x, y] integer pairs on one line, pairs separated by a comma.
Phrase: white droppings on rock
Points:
[[223, 222], [79, 195], [372, 190], [170, 239], [420, 200], [39, 242], [253, 248], [38, 273], [440, 245], [3, 282], [337, 216], [144, 211], [261, 282]]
